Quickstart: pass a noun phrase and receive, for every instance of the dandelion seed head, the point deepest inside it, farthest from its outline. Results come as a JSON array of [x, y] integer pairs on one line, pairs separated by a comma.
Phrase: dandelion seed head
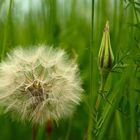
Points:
[[39, 84]]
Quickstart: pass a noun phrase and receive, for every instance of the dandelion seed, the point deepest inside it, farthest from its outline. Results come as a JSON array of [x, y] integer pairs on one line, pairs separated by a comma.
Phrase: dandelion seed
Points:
[[39, 84]]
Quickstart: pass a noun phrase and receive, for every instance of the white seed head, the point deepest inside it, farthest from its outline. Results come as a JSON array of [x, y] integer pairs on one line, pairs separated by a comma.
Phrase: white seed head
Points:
[[39, 84]]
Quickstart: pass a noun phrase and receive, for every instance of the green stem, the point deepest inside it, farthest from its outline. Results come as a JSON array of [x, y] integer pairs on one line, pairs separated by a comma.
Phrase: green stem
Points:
[[104, 75], [90, 125], [6, 29], [91, 50], [69, 130]]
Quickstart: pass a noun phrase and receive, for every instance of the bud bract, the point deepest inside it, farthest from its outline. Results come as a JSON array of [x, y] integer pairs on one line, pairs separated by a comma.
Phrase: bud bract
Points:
[[105, 56]]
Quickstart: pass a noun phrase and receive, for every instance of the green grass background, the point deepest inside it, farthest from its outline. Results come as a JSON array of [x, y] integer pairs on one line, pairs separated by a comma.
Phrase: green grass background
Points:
[[77, 27]]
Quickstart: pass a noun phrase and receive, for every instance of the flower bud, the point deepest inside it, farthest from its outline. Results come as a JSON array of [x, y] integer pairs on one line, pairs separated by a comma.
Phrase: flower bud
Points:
[[105, 56]]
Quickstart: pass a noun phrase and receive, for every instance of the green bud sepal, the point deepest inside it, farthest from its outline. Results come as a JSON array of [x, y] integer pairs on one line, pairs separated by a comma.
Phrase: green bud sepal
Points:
[[105, 56]]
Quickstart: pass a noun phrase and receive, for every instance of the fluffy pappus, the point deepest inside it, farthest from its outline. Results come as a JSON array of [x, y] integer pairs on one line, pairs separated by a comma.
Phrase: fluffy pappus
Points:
[[38, 84]]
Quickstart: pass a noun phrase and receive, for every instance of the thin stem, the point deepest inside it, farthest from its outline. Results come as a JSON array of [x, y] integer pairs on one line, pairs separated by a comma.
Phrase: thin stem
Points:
[[49, 126], [69, 130], [90, 125], [34, 131], [91, 50]]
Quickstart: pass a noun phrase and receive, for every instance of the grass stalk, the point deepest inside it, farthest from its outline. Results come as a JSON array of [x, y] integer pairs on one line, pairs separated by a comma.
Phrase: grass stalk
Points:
[[119, 126], [6, 28], [91, 49], [90, 124], [69, 129]]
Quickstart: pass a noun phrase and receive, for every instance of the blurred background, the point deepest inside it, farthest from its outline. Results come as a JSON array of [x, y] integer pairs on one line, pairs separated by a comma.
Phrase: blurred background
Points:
[[77, 26]]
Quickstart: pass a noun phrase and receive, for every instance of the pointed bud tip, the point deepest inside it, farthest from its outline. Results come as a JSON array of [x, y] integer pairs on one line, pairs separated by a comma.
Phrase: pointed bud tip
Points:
[[106, 26]]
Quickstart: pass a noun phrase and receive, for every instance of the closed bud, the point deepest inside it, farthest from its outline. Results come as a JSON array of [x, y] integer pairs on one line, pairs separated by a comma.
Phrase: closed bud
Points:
[[105, 56]]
